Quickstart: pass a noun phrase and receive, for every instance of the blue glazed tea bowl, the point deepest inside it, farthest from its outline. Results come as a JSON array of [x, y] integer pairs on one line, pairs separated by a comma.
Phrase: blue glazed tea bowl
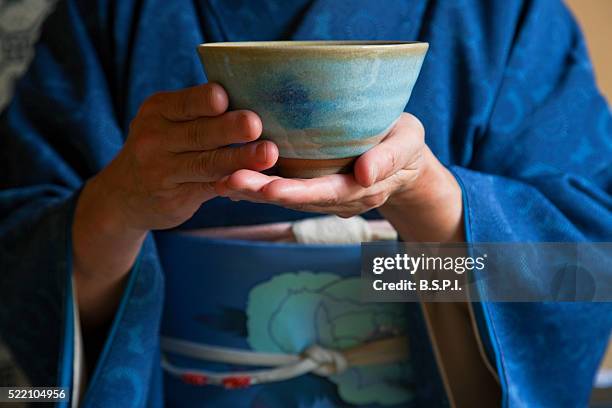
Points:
[[323, 103]]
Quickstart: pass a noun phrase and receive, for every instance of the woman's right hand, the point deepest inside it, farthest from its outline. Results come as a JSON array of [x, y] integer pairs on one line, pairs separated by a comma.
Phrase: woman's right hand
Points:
[[178, 146], [176, 149]]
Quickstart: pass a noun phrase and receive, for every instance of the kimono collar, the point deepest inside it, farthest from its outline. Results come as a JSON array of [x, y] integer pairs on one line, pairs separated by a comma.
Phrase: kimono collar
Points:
[[240, 20]]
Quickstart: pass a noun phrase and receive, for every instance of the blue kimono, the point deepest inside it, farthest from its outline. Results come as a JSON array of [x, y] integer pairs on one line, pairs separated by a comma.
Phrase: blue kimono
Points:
[[507, 97]]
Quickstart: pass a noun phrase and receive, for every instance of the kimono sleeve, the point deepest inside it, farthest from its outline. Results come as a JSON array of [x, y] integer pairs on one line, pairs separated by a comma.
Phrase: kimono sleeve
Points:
[[61, 128], [542, 171]]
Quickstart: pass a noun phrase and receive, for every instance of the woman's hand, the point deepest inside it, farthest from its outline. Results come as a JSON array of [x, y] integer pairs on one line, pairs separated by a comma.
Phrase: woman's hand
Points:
[[400, 176], [177, 148]]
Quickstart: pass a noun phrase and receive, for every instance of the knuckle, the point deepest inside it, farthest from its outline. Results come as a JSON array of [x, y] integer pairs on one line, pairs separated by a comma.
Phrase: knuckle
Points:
[[214, 97], [183, 106], [237, 157], [200, 165], [210, 96], [387, 162], [207, 163], [391, 158], [395, 164], [193, 134], [248, 125], [153, 103], [217, 158], [415, 124]]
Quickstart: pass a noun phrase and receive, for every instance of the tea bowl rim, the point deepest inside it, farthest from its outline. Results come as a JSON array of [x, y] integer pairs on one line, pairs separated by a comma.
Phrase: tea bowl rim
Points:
[[319, 46]]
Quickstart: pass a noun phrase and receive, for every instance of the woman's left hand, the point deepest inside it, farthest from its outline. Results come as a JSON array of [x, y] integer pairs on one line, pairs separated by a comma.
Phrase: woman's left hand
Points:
[[400, 176]]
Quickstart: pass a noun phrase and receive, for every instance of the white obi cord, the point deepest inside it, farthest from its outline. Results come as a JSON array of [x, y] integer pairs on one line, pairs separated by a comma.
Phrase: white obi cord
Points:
[[336, 230], [315, 359]]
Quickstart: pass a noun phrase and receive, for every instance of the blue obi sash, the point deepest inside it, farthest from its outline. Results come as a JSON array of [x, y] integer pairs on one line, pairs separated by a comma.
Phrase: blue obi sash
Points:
[[276, 298]]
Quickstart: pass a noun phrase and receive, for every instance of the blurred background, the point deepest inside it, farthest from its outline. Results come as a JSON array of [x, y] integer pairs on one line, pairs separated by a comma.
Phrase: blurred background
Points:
[[595, 17], [20, 21]]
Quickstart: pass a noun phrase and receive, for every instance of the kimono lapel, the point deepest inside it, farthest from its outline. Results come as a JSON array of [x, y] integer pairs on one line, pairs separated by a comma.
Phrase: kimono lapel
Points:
[[361, 20]]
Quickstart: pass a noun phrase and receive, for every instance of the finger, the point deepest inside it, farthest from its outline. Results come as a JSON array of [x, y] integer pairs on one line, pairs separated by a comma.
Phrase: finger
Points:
[[243, 182], [248, 185], [190, 103], [398, 150], [325, 190], [260, 188], [212, 165], [211, 133]]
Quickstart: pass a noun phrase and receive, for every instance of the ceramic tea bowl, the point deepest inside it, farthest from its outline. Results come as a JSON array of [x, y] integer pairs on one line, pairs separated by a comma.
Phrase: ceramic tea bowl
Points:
[[323, 103]]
